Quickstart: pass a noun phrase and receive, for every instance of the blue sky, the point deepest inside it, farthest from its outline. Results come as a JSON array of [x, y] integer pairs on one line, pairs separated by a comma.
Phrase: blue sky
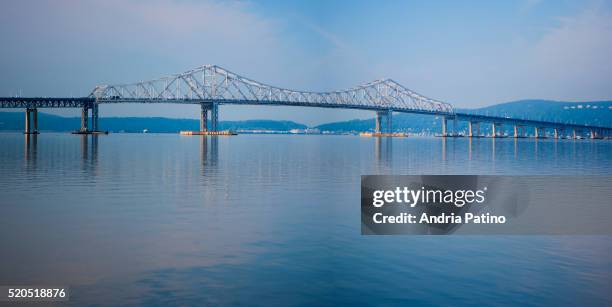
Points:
[[468, 53]]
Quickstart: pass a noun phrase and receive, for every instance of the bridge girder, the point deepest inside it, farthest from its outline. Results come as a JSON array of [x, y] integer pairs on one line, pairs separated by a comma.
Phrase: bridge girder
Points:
[[45, 102]]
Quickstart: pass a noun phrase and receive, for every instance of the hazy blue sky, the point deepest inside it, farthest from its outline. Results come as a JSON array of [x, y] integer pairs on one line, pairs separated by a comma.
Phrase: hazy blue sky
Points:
[[468, 53]]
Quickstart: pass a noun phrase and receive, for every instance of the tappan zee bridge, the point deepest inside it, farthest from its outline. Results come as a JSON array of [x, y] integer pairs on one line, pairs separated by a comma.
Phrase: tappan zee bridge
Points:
[[211, 86]]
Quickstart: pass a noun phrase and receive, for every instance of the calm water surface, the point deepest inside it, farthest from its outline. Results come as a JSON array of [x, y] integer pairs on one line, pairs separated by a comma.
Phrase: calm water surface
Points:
[[274, 219]]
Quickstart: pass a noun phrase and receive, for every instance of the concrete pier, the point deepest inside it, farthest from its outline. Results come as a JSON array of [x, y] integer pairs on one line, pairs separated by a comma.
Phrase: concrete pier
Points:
[[384, 122], [496, 130], [86, 126], [207, 108], [203, 118], [214, 117], [519, 131], [539, 133], [444, 126], [84, 120], [31, 121], [27, 121], [476, 129], [94, 118]]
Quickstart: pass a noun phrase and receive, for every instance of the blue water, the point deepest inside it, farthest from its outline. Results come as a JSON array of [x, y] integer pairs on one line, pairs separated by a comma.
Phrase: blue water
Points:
[[162, 219]]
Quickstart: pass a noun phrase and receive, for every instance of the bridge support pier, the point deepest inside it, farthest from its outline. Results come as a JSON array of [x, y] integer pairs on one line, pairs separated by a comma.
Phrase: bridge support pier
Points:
[[31, 123], [214, 117], [556, 133], [35, 120], [94, 117], [519, 131], [574, 136], [203, 118], [384, 122], [516, 131], [84, 119], [473, 129], [496, 130], [444, 126], [86, 126], [539, 133], [205, 109]]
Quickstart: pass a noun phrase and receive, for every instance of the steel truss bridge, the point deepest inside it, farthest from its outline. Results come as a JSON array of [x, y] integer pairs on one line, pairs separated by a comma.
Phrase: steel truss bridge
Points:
[[211, 86]]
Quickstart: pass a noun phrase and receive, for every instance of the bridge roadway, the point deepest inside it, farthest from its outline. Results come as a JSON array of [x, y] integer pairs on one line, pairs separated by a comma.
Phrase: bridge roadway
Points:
[[211, 86]]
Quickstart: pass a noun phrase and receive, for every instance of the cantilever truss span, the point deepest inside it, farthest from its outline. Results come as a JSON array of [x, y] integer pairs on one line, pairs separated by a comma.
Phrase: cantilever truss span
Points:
[[212, 83]]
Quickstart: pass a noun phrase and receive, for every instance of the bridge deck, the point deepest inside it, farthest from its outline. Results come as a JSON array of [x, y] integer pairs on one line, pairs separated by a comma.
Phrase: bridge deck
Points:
[[524, 122], [80, 102]]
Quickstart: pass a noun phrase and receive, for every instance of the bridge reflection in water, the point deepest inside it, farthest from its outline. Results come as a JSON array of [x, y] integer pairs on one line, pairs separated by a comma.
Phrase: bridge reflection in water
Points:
[[383, 151], [508, 149], [30, 149], [89, 153], [209, 152], [388, 154]]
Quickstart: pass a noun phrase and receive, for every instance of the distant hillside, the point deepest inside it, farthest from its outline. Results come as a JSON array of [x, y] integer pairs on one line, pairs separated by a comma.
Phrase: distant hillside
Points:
[[597, 113], [15, 121]]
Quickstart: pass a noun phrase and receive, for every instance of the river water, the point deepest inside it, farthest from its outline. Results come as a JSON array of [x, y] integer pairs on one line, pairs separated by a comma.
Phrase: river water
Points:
[[162, 219]]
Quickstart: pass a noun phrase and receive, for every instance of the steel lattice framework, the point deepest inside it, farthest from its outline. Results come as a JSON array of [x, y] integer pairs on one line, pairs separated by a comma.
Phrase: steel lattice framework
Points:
[[211, 83]]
